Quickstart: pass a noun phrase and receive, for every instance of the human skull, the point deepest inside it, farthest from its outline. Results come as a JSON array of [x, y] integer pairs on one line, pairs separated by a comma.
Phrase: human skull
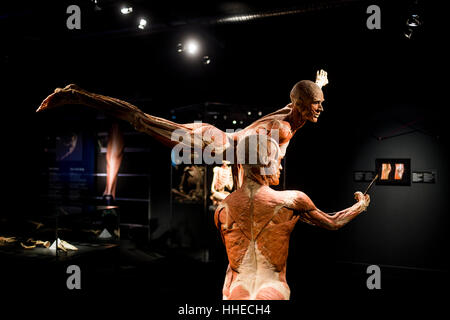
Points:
[[266, 151]]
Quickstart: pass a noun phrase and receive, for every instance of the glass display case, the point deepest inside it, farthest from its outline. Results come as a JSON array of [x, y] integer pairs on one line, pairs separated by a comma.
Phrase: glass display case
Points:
[[188, 210]]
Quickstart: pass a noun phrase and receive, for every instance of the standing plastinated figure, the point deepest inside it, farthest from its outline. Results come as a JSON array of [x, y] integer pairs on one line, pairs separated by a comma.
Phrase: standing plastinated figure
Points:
[[222, 183], [255, 223]]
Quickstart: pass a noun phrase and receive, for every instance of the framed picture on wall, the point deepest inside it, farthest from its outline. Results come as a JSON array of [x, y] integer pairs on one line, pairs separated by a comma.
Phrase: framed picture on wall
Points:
[[395, 172]]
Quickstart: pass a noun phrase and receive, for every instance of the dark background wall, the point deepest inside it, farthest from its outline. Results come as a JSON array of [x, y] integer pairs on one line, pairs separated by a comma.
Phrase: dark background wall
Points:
[[405, 225]]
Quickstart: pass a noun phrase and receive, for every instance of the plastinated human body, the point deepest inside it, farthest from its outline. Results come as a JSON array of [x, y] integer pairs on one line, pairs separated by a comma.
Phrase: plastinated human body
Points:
[[255, 223], [222, 183], [306, 105]]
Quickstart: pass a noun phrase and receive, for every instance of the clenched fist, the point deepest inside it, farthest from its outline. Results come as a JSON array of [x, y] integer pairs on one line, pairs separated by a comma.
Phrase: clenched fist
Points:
[[363, 200]]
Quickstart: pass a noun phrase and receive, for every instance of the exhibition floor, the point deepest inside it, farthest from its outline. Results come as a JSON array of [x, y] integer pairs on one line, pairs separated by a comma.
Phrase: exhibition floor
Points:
[[178, 275]]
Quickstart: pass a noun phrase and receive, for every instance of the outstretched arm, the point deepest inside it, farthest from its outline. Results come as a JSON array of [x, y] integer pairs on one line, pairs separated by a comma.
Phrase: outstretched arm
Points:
[[309, 213]]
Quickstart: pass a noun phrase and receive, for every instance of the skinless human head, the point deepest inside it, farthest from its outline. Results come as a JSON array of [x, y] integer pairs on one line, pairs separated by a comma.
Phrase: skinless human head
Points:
[[307, 97], [266, 150]]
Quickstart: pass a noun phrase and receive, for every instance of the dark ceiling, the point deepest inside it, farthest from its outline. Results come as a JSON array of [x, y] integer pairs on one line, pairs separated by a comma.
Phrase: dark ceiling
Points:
[[257, 52], [37, 20]]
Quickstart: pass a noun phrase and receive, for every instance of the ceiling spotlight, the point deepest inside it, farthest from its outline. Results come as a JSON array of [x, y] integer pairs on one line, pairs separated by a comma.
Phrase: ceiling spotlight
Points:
[[249, 113], [126, 10], [142, 24], [234, 121], [414, 21], [192, 47], [259, 113], [180, 47], [206, 60], [96, 7]]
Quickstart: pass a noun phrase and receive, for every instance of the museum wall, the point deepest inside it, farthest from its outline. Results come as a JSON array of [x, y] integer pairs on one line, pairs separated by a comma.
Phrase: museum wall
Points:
[[405, 225]]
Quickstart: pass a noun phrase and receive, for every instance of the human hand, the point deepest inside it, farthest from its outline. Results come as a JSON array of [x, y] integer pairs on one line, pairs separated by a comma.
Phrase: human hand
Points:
[[363, 200], [321, 78]]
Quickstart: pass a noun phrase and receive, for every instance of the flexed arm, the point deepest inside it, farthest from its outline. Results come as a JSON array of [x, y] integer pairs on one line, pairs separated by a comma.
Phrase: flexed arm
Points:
[[309, 213]]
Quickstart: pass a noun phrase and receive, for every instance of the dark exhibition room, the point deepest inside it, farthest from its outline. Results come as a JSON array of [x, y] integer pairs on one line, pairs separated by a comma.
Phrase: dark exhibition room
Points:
[[187, 154]]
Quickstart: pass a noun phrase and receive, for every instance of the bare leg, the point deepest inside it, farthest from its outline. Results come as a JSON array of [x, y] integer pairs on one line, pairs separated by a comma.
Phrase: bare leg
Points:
[[114, 155], [159, 128]]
